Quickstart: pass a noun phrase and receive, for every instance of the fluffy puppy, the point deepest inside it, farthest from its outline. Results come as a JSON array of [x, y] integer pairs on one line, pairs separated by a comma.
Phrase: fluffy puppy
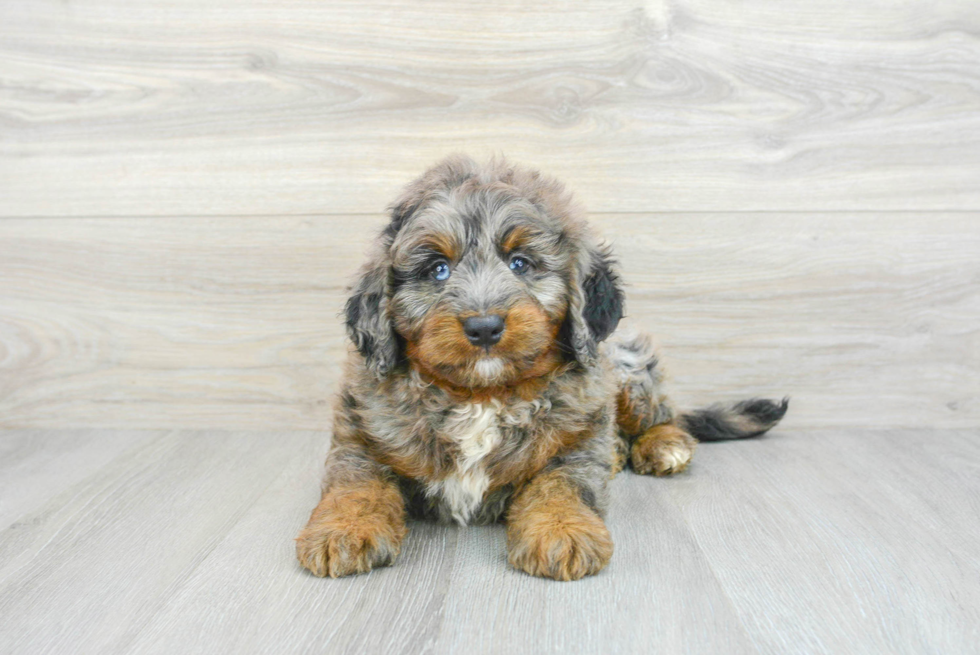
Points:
[[487, 382]]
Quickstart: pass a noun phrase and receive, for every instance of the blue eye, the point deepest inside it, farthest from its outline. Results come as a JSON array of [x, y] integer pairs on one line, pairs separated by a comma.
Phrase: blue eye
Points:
[[519, 265], [440, 271]]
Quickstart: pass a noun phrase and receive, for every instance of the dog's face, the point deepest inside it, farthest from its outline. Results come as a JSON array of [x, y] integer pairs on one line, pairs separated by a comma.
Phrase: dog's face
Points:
[[479, 288], [483, 278]]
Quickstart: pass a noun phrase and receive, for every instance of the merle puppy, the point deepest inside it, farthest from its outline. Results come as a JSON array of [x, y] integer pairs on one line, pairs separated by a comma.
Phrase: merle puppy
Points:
[[488, 382]]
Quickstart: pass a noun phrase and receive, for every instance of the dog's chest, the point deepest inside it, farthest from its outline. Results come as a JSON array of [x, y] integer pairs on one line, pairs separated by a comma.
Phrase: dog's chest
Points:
[[476, 430]]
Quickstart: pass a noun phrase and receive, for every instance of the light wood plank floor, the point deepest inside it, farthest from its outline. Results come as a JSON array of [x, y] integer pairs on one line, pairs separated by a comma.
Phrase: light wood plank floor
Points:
[[855, 541]]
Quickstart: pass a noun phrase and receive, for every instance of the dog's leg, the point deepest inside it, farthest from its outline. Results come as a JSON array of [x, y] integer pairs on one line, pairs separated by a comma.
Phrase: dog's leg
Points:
[[553, 526], [359, 523], [664, 449], [648, 424]]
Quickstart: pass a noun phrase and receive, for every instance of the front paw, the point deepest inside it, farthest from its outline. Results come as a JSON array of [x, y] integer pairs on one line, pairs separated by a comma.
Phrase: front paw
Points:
[[554, 535], [662, 450], [353, 531], [560, 547]]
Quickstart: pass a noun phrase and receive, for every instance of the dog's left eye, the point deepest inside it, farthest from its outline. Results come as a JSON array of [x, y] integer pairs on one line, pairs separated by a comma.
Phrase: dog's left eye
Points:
[[440, 271], [519, 265]]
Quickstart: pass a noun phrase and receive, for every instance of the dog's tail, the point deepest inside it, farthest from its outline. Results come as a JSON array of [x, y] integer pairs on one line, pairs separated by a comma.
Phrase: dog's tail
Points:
[[749, 418]]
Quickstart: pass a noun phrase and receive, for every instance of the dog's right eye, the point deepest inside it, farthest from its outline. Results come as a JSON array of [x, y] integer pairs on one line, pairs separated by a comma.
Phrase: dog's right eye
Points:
[[440, 271]]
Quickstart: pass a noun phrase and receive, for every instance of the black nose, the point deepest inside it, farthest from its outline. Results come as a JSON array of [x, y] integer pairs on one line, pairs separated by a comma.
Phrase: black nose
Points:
[[483, 330]]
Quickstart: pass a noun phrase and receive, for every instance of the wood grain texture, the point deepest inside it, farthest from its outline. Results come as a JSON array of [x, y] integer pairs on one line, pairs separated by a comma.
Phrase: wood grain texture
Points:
[[115, 108], [822, 541], [649, 599], [865, 319], [834, 542], [36, 465], [87, 570]]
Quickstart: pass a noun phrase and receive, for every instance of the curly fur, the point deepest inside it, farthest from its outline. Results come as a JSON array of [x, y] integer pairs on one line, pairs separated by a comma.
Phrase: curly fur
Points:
[[529, 429]]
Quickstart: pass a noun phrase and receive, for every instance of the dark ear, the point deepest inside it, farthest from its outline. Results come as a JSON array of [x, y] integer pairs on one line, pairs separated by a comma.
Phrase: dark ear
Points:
[[368, 323], [595, 307], [603, 297]]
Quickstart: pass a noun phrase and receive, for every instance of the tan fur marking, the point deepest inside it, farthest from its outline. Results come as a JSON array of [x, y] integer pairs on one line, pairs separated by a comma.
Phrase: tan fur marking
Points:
[[527, 353], [442, 343], [353, 529], [630, 418], [518, 471], [515, 237], [528, 330], [663, 450], [621, 456], [551, 533], [415, 464], [443, 243]]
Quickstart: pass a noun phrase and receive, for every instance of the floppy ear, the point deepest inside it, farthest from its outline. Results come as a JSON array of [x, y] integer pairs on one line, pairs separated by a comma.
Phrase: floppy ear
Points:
[[596, 304], [604, 301], [368, 322]]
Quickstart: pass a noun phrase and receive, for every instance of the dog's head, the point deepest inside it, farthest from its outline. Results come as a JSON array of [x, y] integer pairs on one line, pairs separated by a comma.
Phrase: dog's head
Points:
[[484, 277]]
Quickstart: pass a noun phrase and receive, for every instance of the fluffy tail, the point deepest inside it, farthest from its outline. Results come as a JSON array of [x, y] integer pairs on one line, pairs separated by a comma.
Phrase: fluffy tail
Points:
[[749, 418]]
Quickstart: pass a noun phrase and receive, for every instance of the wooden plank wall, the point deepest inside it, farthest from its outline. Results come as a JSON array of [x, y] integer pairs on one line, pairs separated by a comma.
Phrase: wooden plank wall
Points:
[[185, 188]]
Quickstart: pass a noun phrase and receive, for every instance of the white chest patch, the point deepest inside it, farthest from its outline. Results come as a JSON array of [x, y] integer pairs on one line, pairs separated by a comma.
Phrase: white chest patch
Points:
[[476, 428]]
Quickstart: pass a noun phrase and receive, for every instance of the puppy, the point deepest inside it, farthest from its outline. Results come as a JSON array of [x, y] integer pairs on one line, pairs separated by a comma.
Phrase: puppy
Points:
[[488, 383]]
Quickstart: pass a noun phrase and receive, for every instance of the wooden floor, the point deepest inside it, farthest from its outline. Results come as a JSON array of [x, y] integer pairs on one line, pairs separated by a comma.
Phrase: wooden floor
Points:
[[792, 189], [860, 541]]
